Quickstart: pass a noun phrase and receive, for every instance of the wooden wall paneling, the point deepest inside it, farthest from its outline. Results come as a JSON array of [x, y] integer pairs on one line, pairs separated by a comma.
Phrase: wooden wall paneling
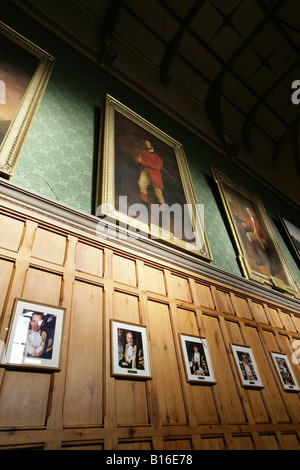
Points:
[[227, 396], [287, 321], [89, 259], [204, 296], [49, 246], [223, 301], [85, 358], [268, 442], [213, 443], [154, 280], [6, 271], [110, 419], [289, 441], [258, 312], [291, 399], [251, 398], [82, 406], [241, 307], [241, 442], [166, 380], [202, 408], [56, 410], [124, 270], [274, 317], [131, 403], [251, 401], [270, 393], [11, 232]]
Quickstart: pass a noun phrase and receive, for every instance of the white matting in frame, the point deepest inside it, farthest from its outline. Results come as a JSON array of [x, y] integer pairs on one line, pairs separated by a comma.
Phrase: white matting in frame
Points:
[[285, 372], [35, 336], [129, 351], [197, 360], [246, 366]]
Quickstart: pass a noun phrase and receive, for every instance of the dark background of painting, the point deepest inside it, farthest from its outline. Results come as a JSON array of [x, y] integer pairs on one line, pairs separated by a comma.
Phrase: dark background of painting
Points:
[[17, 67]]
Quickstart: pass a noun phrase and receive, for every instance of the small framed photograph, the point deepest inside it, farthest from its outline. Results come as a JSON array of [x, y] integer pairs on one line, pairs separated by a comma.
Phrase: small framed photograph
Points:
[[35, 336], [285, 372], [130, 351], [198, 366], [246, 366]]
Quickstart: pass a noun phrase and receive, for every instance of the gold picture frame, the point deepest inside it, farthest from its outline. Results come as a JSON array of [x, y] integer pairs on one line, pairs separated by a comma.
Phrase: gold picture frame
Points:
[[259, 253], [26, 70], [160, 201]]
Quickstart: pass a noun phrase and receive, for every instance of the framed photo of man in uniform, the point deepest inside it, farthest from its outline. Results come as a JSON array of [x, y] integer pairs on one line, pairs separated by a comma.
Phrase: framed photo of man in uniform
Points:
[[35, 336], [259, 252], [246, 366], [197, 360], [144, 187], [285, 372], [130, 351]]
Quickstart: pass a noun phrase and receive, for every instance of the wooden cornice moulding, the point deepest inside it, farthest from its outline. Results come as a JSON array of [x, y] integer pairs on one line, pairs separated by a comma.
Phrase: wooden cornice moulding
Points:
[[139, 244]]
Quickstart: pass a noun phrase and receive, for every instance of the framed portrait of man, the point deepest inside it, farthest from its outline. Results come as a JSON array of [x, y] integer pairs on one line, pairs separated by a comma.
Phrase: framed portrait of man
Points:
[[285, 372], [129, 351], [144, 184], [35, 336], [259, 252], [246, 366], [25, 71], [197, 360]]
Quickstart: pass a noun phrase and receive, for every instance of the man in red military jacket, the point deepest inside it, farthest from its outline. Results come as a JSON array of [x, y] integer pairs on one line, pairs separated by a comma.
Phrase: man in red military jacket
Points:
[[150, 173], [258, 239]]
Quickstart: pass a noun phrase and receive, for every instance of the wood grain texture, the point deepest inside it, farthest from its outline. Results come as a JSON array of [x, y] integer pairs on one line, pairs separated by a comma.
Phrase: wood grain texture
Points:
[[82, 406]]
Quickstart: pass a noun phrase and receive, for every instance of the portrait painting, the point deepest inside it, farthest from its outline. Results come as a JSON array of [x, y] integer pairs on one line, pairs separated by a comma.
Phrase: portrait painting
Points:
[[285, 372], [246, 366], [25, 70], [260, 253], [144, 181], [130, 351], [197, 360], [35, 336], [292, 232]]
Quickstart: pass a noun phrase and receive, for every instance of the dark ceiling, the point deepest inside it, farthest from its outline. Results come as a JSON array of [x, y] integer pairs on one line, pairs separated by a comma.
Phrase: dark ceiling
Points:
[[222, 68]]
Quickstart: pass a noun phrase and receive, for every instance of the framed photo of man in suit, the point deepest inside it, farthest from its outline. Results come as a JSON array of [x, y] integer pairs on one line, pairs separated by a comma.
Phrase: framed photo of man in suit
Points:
[[259, 252], [130, 351], [246, 366]]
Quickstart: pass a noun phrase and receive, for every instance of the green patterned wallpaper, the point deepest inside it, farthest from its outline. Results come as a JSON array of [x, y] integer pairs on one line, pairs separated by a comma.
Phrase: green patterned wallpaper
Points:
[[59, 157]]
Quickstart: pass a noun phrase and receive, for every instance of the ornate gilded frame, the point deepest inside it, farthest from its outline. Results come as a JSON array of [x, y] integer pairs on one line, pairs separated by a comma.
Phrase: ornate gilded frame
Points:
[[15, 136], [267, 266], [109, 159]]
